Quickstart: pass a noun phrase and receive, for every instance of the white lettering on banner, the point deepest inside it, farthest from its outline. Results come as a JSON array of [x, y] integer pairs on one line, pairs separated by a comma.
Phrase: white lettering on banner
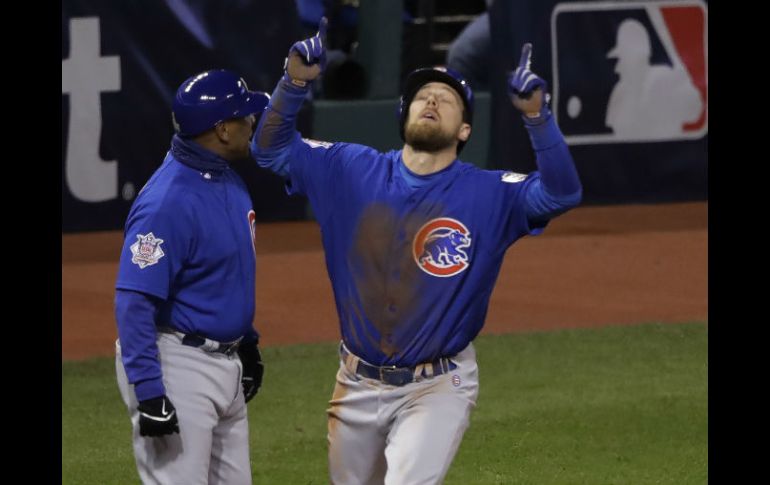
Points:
[[84, 76]]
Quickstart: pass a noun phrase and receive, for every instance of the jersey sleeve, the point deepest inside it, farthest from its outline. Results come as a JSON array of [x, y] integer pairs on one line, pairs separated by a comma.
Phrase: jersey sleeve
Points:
[[135, 315], [558, 189], [316, 169], [158, 239], [507, 205]]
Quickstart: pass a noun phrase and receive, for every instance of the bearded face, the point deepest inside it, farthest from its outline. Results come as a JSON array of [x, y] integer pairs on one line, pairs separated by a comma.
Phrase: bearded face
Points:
[[435, 120], [428, 137]]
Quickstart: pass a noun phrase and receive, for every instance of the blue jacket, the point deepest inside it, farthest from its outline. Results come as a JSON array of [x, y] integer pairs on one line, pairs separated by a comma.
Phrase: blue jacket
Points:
[[188, 261]]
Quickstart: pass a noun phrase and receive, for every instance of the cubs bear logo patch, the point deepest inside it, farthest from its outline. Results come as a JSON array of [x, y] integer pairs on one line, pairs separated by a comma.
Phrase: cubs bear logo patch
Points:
[[146, 250], [440, 247]]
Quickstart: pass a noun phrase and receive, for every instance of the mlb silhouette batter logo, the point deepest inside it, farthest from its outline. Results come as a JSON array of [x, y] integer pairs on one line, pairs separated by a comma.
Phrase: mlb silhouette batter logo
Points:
[[440, 247], [630, 71]]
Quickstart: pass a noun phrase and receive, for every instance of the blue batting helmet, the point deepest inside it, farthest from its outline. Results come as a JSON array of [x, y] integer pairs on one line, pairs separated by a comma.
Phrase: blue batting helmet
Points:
[[211, 97], [420, 77]]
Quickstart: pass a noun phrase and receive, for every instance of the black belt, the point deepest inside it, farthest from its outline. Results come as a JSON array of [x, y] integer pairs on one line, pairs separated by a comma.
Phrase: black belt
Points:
[[396, 376], [192, 340]]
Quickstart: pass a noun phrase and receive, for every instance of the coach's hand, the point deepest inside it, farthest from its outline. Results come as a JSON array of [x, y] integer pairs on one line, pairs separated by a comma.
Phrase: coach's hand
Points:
[[528, 90], [253, 369], [157, 417], [307, 58]]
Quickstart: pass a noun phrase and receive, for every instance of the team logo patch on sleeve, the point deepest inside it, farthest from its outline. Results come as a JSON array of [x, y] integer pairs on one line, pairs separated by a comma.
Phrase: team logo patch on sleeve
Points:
[[439, 247], [146, 250], [513, 177]]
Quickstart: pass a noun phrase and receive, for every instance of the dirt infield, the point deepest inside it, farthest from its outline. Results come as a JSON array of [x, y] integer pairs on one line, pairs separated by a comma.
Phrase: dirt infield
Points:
[[593, 266]]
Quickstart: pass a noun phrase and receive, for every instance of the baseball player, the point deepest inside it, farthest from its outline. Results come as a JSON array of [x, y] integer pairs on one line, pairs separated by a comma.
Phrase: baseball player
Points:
[[414, 240], [187, 356]]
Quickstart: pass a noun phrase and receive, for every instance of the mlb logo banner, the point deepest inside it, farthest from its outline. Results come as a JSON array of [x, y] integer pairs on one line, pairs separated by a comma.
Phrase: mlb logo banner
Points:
[[630, 72]]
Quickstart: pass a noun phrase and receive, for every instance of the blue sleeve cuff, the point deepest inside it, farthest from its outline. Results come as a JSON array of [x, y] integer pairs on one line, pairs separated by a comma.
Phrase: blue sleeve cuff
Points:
[[287, 98], [149, 389], [545, 135]]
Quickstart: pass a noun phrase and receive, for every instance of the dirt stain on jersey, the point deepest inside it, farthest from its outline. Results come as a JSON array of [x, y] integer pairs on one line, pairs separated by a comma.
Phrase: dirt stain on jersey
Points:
[[384, 270]]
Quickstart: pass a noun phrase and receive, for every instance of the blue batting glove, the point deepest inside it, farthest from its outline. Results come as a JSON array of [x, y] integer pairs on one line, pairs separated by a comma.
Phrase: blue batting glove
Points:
[[522, 82], [313, 50], [307, 58]]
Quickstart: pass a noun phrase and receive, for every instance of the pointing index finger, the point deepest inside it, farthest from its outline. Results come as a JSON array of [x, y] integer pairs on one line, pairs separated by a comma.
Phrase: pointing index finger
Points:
[[322, 27], [526, 55]]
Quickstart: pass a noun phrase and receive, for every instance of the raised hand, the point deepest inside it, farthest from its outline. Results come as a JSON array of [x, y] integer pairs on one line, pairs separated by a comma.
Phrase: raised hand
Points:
[[527, 89], [307, 58]]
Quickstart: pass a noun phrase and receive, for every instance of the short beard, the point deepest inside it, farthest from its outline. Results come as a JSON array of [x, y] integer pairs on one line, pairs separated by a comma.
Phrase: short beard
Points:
[[427, 137]]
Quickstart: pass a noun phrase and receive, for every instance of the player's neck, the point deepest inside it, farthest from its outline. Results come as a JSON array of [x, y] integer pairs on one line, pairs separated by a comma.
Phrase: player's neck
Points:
[[210, 142], [426, 163]]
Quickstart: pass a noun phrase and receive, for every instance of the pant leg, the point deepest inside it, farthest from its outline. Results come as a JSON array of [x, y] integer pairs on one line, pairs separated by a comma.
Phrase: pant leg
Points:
[[429, 423], [181, 458], [230, 459], [356, 439]]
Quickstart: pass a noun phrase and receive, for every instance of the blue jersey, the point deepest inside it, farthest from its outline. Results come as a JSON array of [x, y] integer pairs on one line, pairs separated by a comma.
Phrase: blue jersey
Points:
[[189, 242], [412, 269], [412, 259]]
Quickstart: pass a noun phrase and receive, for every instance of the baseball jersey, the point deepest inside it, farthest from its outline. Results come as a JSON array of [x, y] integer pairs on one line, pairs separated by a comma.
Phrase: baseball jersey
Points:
[[189, 242], [412, 259]]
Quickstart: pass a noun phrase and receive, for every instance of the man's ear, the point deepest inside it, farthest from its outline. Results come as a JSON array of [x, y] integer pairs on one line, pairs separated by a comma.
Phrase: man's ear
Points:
[[465, 132], [222, 132]]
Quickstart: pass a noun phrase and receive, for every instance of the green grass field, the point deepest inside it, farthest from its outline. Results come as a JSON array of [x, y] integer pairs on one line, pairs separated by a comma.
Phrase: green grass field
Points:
[[615, 405]]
